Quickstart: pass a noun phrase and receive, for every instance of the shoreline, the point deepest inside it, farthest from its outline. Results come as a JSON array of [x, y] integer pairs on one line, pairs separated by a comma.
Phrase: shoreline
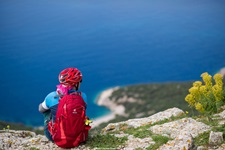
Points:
[[104, 95], [103, 100], [103, 119]]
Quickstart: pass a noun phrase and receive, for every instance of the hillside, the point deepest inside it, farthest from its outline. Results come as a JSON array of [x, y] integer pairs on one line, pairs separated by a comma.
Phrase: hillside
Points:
[[150, 98], [142, 100]]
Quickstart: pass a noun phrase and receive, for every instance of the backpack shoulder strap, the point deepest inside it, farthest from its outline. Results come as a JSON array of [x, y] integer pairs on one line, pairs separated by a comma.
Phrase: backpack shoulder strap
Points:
[[75, 93]]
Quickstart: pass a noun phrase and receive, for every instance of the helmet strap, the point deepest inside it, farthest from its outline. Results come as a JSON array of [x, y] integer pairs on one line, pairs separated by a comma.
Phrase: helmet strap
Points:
[[77, 86]]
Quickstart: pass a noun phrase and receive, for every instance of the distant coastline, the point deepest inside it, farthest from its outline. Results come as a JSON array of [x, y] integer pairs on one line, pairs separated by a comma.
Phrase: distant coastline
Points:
[[103, 100]]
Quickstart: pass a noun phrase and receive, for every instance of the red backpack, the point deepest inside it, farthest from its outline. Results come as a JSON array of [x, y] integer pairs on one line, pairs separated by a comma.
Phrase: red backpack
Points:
[[69, 129]]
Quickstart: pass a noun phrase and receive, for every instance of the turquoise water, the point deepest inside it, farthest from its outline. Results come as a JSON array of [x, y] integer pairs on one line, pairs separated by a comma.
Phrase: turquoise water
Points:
[[117, 42]]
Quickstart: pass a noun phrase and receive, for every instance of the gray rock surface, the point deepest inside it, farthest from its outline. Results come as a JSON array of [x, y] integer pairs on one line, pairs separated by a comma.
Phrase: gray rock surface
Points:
[[215, 138]]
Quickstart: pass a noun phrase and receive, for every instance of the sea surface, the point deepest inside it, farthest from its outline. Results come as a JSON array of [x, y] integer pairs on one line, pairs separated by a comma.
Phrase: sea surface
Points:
[[113, 43]]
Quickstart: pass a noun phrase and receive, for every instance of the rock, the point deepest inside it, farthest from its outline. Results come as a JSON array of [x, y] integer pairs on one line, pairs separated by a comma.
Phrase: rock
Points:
[[145, 121], [175, 128], [222, 114], [222, 147], [201, 148], [182, 131], [25, 140], [215, 138], [220, 117], [135, 143], [182, 142]]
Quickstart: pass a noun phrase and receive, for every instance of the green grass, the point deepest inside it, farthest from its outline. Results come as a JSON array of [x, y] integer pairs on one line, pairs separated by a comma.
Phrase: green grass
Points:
[[202, 139], [220, 129], [33, 148], [105, 141], [140, 132], [159, 141], [143, 132]]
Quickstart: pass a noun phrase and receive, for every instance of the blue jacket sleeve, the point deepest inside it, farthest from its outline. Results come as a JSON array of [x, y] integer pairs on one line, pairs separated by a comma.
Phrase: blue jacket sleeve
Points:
[[84, 96]]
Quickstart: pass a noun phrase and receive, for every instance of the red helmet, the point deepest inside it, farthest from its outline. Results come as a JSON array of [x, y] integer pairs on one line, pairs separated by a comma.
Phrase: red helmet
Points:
[[70, 76]]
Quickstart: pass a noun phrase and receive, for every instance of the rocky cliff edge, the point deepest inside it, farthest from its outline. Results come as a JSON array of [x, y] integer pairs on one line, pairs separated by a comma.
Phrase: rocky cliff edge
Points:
[[182, 133]]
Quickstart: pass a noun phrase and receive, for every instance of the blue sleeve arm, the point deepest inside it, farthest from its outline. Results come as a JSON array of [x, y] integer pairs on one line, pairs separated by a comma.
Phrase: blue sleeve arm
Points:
[[50, 100], [84, 96], [41, 108]]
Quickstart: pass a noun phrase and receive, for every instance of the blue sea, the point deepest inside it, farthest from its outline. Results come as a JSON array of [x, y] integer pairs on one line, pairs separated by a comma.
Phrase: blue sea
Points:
[[113, 43]]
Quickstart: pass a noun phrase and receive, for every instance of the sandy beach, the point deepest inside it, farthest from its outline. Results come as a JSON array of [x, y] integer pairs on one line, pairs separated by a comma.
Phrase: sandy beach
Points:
[[106, 118], [103, 100]]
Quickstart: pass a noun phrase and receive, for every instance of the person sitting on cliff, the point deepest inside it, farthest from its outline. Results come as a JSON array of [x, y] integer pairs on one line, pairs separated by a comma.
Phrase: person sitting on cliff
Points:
[[70, 80]]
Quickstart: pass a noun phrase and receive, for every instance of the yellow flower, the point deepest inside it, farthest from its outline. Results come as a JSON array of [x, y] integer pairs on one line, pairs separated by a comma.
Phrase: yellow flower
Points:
[[217, 92], [195, 92], [199, 107], [218, 79], [203, 89], [190, 99], [207, 79], [87, 122], [197, 83]]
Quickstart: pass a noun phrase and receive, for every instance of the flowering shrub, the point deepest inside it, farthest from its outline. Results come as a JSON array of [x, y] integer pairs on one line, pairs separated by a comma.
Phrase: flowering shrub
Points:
[[208, 96]]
